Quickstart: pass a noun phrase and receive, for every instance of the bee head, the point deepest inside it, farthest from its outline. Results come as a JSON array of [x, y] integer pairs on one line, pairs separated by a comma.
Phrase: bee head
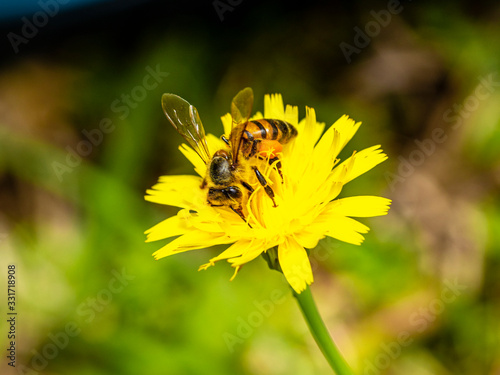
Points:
[[221, 197]]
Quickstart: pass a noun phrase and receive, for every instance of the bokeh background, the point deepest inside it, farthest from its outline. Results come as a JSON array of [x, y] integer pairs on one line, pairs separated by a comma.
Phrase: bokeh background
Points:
[[420, 296]]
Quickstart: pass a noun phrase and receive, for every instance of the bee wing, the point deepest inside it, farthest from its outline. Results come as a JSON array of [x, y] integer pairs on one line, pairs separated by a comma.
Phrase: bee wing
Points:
[[241, 109], [185, 119]]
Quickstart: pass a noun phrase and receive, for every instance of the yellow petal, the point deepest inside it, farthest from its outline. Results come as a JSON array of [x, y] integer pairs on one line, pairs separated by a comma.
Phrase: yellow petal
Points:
[[252, 249], [333, 190], [339, 227], [346, 128], [236, 270], [215, 144], [235, 250], [292, 115], [335, 139], [347, 230], [307, 239], [227, 123], [173, 226], [326, 151], [178, 191], [192, 240], [323, 159], [311, 132], [199, 165], [359, 163], [360, 206], [299, 152], [273, 106], [295, 264]]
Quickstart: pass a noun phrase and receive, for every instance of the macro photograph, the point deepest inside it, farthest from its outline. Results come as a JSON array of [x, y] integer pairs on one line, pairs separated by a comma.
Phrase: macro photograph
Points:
[[249, 187]]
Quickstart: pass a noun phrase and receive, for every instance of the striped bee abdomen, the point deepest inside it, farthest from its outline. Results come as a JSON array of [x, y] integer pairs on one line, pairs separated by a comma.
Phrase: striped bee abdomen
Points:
[[264, 138], [269, 129]]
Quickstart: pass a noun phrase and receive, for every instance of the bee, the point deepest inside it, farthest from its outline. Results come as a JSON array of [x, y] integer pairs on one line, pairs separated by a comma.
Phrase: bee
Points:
[[229, 170]]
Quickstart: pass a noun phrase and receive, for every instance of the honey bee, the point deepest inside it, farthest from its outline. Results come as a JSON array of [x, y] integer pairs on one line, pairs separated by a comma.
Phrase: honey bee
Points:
[[229, 170]]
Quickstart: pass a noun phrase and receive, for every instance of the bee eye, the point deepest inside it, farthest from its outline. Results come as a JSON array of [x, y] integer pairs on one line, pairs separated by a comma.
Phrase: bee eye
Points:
[[233, 192]]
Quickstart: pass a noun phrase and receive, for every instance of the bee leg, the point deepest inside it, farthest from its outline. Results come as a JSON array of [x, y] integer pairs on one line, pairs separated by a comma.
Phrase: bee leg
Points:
[[246, 186], [264, 184], [278, 166], [239, 211], [226, 141], [204, 184]]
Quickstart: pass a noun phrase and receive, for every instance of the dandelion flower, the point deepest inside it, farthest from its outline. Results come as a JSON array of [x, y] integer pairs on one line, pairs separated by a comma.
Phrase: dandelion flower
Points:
[[308, 208]]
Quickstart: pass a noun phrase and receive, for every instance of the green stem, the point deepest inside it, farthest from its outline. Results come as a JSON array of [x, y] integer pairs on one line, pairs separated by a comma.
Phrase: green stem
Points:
[[320, 333]]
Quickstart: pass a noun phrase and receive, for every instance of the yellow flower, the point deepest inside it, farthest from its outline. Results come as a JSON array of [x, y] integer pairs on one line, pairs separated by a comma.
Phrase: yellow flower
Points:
[[307, 209]]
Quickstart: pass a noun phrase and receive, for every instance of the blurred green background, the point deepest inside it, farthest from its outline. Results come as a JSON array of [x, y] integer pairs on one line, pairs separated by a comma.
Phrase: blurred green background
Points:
[[420, 296]]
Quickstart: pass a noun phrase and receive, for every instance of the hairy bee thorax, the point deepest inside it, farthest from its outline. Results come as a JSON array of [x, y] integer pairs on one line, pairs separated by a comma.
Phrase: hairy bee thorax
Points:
[[220, 168]]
